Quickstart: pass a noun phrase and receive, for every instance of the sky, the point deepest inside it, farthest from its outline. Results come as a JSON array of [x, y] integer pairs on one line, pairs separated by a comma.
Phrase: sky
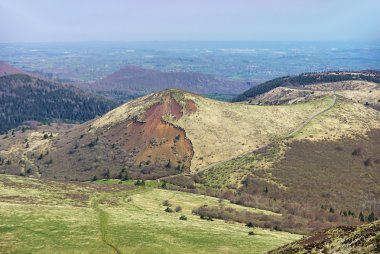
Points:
[[196, 20]]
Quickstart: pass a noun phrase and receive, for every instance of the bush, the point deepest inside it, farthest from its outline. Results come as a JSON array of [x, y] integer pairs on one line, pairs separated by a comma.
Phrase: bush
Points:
[[139, 182], [357, 151], [166, 203], [94, 178], [371, 217], [251, 233], [178, 209], [368, 162], [183, 217], [168, 210], [250, 224]]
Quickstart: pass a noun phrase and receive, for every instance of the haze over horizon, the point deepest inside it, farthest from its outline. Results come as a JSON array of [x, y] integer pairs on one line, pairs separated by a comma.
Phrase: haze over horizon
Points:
[[147, 20]]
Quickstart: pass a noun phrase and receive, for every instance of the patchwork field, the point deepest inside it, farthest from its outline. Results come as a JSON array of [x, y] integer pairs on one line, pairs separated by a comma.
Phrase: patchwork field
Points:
[[105, 217]]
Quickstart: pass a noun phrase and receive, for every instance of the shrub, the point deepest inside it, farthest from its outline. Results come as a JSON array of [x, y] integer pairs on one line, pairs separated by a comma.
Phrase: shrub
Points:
[[183, 217], [94, 178], [250, 224], [106, 174], [178, 209], [371, 217], [168, 210], [357, 151], [368, 162], [361, 217], [140, 182], [166, 203], [251, 233]]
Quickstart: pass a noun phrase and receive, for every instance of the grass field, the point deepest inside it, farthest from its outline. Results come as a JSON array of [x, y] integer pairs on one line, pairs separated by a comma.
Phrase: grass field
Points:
[[59, 217]]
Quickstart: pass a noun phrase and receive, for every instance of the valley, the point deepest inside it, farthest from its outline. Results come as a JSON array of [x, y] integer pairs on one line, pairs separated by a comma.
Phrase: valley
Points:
[[256, 174], [194, 127]]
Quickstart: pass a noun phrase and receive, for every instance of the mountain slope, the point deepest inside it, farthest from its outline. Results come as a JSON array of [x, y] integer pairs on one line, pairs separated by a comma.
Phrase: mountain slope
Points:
[[24, 98], [6, 69], [235, 151], [132, 81], [161, 134], [306, 79], [364, 239]]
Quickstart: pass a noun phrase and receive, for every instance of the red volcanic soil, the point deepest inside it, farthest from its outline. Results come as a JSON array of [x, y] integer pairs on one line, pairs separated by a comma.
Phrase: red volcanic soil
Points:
[[190, 106], [6, 69], [154, 144]]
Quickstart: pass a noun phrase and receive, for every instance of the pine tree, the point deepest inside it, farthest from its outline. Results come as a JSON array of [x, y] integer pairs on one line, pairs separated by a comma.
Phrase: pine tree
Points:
[[361, 217], [371, 217]]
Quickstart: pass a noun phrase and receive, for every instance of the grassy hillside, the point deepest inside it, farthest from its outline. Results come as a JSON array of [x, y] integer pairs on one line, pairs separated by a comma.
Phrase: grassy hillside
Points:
[[306, 175], [221, 131], [26, 98], [105, 217]]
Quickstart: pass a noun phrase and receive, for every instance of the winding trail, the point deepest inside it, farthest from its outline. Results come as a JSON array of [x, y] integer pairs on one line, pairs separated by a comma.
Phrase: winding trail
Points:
[[299, 128], [103, 221]]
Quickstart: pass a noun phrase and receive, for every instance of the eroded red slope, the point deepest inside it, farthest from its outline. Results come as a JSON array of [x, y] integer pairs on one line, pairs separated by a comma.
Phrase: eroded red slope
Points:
[[153, 144]]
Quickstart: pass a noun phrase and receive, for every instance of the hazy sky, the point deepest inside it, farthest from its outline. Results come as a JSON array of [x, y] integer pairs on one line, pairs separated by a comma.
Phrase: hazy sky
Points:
[[127, 20]]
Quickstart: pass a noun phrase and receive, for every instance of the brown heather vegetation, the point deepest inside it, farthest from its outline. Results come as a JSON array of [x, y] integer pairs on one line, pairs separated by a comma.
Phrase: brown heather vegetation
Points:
[[364, 239], [314, 185]]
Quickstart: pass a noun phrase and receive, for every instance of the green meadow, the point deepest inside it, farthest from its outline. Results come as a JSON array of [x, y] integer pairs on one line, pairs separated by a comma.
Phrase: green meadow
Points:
[[106, 217]]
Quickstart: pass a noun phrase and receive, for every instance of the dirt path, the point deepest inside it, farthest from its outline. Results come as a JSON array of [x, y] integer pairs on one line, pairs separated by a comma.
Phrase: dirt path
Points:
[[311, 118], [103, 221]]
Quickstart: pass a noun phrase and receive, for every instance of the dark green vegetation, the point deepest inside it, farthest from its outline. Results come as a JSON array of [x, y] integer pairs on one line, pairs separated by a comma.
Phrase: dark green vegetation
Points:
[[220, 97], [308, 79], [25, 98], [363, 239]]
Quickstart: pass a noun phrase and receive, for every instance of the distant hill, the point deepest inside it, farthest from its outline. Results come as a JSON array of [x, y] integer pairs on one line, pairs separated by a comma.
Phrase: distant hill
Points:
[[134, 81], [25, 98], [364, 239], [6, 69], [308, 79]]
